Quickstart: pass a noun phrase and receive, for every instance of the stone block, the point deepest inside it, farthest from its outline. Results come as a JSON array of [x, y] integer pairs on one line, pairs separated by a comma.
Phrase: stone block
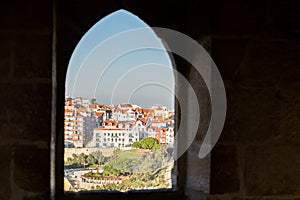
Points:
[[290, 109], [32, 168], [32, 15], [224, 170], [12, 98], [228, 56], [26, 113], [5, 56], [272, 170], [167, 13], [33, 57], [198, 170], [282, 19], [199, 18], [272, 62], [44, 196], [6, 14], [83, 15], [227, 197], [5, 173], [4, 130], [253, 115], [238, 17]]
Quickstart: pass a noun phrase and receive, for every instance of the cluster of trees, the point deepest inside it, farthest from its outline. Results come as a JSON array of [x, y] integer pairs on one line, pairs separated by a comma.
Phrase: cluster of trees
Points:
[[86, 160], [137, 181], [143, 170], [120, 166], [153, 162], [147, 143], [146, 171], [93, 174]]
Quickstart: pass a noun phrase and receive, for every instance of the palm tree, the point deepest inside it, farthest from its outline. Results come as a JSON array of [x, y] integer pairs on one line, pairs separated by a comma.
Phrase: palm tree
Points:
[[69, 160], [82, 159]]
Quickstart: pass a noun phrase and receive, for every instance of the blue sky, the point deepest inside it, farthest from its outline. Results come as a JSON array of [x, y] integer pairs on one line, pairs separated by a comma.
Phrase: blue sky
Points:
[[121, 60]]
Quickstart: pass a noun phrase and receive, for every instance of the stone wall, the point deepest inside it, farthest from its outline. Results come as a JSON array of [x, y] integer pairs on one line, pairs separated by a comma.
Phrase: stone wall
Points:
[[106, 151], [25, 98], [256, 46]]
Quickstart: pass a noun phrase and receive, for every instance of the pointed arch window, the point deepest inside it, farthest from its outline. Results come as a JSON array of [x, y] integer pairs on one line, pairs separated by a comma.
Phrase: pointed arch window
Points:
[[127, 74], [109, 73]]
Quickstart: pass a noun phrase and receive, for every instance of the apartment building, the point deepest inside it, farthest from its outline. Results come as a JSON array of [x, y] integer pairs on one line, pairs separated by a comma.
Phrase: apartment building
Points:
[[114, 137]]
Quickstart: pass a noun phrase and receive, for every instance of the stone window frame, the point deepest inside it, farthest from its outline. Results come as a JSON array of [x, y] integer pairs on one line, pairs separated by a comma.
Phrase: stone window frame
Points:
[[57, 145]]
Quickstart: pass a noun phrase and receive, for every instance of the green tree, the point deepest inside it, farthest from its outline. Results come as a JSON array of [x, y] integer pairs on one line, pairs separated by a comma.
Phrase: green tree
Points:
[[120, 166], [75, 157], [82, 159], [156, 146], [147, 143], [136, 144], [101, 159], [108, 171], [69, 161], [93, 101], [91, 159], [117, 151], [74, 160]]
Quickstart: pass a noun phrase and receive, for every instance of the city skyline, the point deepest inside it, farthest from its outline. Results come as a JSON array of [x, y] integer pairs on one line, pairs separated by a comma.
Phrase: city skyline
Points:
[[132, 103], [120, 147], [84, 116]]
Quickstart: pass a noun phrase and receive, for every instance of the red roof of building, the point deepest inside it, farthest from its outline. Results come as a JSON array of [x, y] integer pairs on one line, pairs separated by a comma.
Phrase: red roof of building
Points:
[[99, 114], [112, 129]]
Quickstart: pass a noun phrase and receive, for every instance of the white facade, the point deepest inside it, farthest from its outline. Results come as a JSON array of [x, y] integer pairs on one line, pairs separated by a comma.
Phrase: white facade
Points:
[[140, 129], [159, 123], [73, 128], [161, 112], [123, 115], [170, 136], [113, 137], [85, 102]]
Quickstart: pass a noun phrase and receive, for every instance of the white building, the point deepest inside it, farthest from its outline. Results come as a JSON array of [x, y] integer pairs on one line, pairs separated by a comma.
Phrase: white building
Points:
[[170, 136], [161, 112], [114, 137], [140, 129], [124, 115], [160, 123], [85, 102]]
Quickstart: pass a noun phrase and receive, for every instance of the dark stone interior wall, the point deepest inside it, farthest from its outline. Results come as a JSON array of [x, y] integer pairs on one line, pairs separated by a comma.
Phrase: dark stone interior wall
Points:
[[256, 46]]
